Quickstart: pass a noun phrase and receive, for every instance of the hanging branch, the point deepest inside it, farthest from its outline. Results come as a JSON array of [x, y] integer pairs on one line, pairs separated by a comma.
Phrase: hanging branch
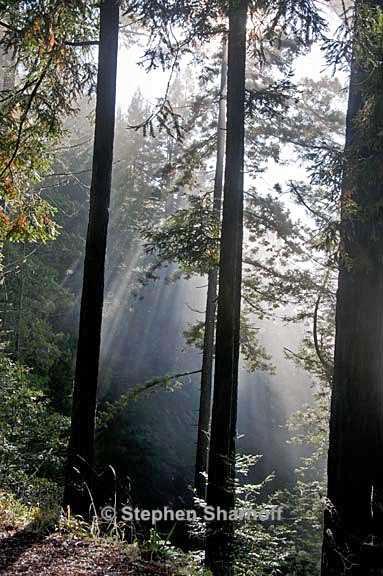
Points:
[[163, 110], [302, 201], [113, 410]]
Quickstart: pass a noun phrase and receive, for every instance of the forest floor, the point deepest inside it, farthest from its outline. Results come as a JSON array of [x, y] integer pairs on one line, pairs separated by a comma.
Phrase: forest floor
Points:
[[29, 554]]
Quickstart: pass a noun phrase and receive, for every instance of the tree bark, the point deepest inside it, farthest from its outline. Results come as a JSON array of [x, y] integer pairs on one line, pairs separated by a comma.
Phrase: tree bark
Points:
[[221, 477], [81, 455], [202, 453], [353, 518]]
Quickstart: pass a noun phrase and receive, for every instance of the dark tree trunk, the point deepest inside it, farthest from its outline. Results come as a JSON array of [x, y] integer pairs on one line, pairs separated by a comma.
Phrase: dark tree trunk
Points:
[[80, 465], [220, 492], [353, 519], [211, 300]]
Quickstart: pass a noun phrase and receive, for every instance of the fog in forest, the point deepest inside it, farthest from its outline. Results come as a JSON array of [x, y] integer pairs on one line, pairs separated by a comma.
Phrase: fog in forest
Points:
[[190, 287], [143, 339]]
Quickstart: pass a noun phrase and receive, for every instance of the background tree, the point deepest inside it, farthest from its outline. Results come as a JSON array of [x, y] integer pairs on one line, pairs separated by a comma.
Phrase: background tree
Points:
[[204, 413]]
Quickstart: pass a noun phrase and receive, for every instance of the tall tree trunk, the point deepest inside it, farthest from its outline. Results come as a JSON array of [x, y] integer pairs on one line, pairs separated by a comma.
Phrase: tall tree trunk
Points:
[[355, 490], [211, 300], [221, 477], [80, 463]]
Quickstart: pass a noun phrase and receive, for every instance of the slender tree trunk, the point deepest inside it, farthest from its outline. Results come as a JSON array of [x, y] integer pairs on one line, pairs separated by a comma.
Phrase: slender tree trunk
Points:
[[20, 310], [221, 477], [353, 519], [81, 446], [211, 300]]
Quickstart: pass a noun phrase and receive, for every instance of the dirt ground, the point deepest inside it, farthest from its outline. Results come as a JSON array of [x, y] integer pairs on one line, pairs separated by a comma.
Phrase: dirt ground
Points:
[[23, 553]]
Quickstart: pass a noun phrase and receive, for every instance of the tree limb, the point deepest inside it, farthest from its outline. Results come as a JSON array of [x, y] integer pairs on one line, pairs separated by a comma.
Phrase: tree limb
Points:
[[81, 43]]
